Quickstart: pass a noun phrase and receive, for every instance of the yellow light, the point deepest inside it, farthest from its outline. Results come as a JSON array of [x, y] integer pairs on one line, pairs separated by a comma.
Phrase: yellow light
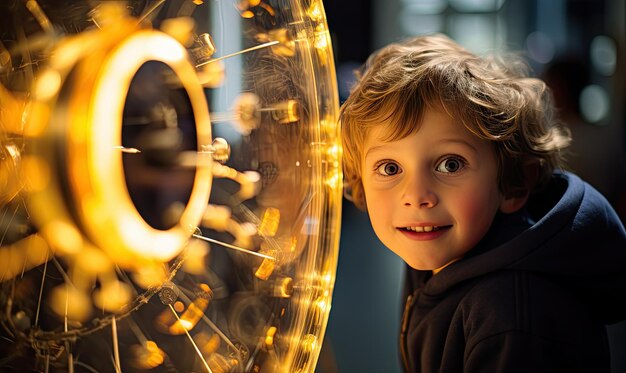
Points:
[[212, 75], [5, 57], [12, 109], [187, 324], [180, 28], [37, 173], [283, 288], [22, 256], [269, 222], [48, 85], [333, 179], [112, 296], [266, 269], [195, 255], [321, 37], [207, 344], [93, 261], [286, 112], [190, 317], [179, 306], [293, 244], [329, 128], [315, 12], [309, 343], [249, 184], [150, 274], [321, 304], [216, 217], [269, 336], [327, 279], [66, 300], [268, 8], [63, 237], [286, 47], [334, 151], [147, 356]]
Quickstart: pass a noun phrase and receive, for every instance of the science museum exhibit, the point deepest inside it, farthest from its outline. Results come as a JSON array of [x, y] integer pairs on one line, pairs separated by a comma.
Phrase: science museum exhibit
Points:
[[170, 185]]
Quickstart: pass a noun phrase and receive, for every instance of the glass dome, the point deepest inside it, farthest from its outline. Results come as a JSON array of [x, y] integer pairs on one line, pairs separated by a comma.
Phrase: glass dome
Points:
[[171, 185]]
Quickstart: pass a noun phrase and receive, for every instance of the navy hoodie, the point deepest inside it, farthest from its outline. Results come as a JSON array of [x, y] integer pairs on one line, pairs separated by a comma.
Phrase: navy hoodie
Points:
[[533, 296]]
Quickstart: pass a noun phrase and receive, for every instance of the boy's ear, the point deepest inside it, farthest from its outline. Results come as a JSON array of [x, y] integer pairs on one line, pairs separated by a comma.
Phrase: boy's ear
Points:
[[511, 204], [516, 199]]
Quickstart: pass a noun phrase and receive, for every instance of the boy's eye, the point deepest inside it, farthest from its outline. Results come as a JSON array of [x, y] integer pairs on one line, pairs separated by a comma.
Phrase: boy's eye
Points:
[[388, 168], [450, 165]]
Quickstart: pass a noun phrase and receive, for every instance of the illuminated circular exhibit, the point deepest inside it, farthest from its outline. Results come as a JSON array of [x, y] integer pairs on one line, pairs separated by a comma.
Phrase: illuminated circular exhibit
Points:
[[170, 185]]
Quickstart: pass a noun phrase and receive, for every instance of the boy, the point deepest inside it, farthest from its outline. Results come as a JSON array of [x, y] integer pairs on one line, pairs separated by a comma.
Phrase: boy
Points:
[[515, 266]]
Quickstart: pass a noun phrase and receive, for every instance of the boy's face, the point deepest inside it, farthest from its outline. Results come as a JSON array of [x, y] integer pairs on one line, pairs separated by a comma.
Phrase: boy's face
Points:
[[432, 195]]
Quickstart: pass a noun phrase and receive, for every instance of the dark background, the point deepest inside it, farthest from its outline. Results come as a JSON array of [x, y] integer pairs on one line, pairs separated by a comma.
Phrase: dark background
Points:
[[577, 46]]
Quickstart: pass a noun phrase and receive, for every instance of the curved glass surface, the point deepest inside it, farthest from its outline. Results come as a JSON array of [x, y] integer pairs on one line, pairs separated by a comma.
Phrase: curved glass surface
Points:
[[170, 185]]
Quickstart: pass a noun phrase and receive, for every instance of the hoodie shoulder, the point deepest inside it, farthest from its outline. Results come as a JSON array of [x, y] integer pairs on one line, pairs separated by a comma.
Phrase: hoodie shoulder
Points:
[[536, 315]]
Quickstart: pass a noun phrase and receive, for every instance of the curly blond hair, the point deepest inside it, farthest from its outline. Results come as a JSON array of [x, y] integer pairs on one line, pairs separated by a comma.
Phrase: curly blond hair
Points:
[[493, 97]]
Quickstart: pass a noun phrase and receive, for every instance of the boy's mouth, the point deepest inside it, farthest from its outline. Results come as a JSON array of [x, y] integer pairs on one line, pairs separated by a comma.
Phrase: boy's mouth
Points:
[[425, 228]]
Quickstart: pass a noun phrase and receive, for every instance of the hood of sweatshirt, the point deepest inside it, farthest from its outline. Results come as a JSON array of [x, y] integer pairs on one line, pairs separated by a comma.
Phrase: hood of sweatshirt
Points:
[[568, 233]]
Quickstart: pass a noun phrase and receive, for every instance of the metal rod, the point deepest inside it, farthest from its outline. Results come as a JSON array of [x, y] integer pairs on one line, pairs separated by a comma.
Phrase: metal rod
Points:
[[260, 46], [206, 365], [233, 247], [40, 16], [127, 150], [150, 10], [116, 350], [43, 279]]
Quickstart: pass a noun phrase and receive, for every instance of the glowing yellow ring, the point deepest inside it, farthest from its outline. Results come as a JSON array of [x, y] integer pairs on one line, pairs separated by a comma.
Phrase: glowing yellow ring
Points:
[[128, 230], [85, 131]]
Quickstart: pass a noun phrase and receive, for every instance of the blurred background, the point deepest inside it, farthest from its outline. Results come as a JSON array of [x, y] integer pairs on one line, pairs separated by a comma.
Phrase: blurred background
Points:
[[577, 46]]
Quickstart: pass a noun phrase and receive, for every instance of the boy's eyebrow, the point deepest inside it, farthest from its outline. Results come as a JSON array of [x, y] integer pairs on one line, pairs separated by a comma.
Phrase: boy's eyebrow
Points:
[[462, 142], [374, 149]]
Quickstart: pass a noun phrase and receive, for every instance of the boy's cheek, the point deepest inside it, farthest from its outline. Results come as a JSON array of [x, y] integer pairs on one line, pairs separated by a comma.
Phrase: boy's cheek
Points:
[[476, 214]]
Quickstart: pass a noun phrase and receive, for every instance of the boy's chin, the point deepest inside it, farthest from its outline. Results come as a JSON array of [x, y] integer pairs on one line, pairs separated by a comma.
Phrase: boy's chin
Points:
[[434, 266]]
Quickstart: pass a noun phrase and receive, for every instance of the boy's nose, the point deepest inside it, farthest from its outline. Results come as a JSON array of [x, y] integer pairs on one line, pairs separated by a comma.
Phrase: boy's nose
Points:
[[419, 192]]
